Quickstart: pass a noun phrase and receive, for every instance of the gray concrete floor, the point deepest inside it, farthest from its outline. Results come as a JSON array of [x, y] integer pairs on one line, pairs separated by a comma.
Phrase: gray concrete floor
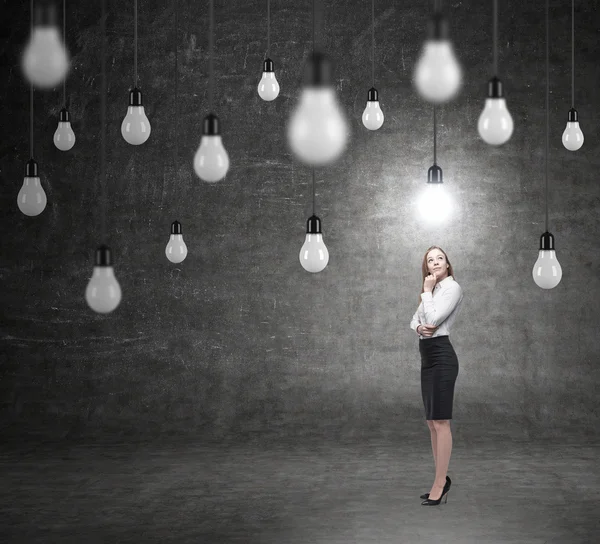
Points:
[[317, 491]]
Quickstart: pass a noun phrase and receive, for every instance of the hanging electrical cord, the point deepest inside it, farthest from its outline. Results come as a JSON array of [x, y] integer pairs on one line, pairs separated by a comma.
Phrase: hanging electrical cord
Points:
[[547, 103], [373, 42], [135, 40], [495, 39], [434, 137], [31, 100], [210, 60], [268, 28], [313, 176], [65, 46], [103, 124], [176, 161], [573, 54]]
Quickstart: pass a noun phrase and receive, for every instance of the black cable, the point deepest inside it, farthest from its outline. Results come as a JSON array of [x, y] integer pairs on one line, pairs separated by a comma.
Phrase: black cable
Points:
[[573, 54], [313, 173], [103, 122], [495, 32], [436, 6], [373, 41], [31, 100], [210, 60], [135, 19], [176, 90], [434, 137], [65, 46], [268, 28], [547, 104], [313, 26]]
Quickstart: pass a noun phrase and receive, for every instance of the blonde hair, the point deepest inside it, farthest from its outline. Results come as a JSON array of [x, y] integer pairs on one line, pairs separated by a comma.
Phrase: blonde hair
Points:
[[425, 271]]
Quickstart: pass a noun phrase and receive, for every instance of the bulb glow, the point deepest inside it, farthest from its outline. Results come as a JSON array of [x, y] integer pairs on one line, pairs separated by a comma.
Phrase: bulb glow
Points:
[[135, 127], [176, 250], [268, 87], [373, 117], [438, 75], [64, 137], [495, 124], [211, 161], [45, 61], [32, 197], [103, 292], [314, 255], [434, 204], [572, 137], [318, 131], [547, 271]]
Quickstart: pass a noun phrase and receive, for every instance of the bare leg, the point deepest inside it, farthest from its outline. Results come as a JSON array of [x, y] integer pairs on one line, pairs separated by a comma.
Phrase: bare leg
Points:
[[433, 441], [444, 449]]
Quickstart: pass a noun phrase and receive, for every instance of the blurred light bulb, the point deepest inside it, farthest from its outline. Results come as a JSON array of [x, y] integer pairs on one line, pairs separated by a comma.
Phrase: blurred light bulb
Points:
[[434, 204], [572, 137], [45, 60], [32, 197], [211, 161], [268, 86], [103, 292], [314, 255], [176, 250], [372, 117], [495, 124], [135, 127], [318, 131], [547, 271], [64, 137]]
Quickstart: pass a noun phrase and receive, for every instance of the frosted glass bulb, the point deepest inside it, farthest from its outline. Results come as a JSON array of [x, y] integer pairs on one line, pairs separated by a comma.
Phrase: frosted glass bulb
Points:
[[314, 255], [318, 131], [64, 137], [103, 292], [268, 86], [135, 127], [45, 60], [372, 117], [438, 75], [32, 197], [211, 161], [572, 137], [434, 205], [176, 249], [495, 124], [547, 271]]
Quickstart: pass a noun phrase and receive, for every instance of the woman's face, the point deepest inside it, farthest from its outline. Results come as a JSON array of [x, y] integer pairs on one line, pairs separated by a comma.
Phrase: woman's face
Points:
[[436, 262]]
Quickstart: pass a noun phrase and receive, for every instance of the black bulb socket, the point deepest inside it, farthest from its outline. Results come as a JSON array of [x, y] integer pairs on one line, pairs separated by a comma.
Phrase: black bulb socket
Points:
[[495, 89], [313, 225], [373, 95], [438, 27], [547, 241], [175, 227], [211, 125], [318, 71], [268, 66], [573, 116], [64, 116], [135, 97], [31, 169], [434, 175], [103, 256], [45, 14]]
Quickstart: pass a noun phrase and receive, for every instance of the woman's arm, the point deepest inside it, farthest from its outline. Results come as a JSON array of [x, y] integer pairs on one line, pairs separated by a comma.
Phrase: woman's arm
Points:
[[415, 321], [438, 309]]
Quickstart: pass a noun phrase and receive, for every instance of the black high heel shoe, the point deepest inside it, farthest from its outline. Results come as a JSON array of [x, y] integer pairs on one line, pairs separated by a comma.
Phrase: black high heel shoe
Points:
[[446, 487], [431, 502]]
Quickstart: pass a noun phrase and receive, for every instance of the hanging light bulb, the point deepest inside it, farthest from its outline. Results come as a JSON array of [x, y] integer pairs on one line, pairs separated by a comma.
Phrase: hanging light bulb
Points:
[[64, 137], [45, 61], [547, 271], [176, 249], [314, 255], [495, 124], [438, 75], [211, 160], [103, 292], [32, 197], [572, 137], [434, 203], [268, 87], [317, 131], [372, 117], [135, 127]]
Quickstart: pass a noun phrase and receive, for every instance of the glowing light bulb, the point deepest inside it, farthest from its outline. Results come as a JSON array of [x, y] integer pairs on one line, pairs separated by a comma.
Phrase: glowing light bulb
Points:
[[268, 86], [572, 137], [176, 250], [64, 137], [32, 197], [495, 124], [314, 255], [103, 292], [318, 131], [547, 271], [434, 204], [372, 117], [211, 161], [135, 127], [437, 75]]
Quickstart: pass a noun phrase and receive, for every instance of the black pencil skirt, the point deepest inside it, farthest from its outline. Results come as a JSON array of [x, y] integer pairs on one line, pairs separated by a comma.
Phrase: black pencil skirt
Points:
[[439, 369]]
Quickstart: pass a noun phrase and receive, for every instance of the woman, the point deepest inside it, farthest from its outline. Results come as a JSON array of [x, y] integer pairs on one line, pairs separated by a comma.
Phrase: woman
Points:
[[440, 303]]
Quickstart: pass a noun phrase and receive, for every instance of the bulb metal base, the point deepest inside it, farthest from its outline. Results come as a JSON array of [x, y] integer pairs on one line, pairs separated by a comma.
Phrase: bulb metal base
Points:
[[547, 241], [268, 66], [31, 169], [45, 15], [573, 116], [318, 71], [135, 97], [211, 125], [495, 88], [434, 175], [64, 116], [437, 27], [373, 95], [103, 256], [313, 225], [175, 227]]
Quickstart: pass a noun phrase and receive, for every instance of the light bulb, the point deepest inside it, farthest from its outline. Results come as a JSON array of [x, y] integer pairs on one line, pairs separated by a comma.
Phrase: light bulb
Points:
[[32, 197], [64, 137], [547, 271], [314, 255], [572, 137], [495, 124], [268, 86], [103, 292], [211, 161], [176, 250], [372, 117], [45, 60], [135, 127], [318, 132], [434, 204]]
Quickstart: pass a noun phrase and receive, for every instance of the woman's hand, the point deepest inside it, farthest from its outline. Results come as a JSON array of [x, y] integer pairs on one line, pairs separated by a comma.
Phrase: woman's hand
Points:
[[427, 330], [430, 282]]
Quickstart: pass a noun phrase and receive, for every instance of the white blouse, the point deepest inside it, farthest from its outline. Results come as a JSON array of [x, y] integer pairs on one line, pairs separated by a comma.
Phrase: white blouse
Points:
[[439, 308]]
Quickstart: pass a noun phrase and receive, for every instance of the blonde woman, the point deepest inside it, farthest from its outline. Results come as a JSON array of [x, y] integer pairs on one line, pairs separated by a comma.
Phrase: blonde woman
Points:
[[440, 303]]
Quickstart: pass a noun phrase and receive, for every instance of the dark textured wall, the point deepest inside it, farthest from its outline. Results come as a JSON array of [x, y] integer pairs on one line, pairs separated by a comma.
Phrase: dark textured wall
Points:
[[239, 338]]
